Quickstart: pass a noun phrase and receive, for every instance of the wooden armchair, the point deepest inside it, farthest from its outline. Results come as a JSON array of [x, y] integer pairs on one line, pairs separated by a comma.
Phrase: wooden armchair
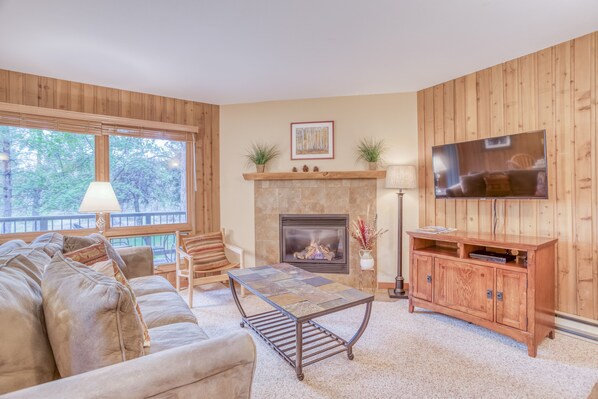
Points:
[[201, 259], [521, 161]]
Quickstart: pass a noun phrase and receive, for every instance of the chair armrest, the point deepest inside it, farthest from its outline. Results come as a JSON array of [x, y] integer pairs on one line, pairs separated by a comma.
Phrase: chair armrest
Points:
[[139, 261], [183, 254], [239, 251], [215, 368]]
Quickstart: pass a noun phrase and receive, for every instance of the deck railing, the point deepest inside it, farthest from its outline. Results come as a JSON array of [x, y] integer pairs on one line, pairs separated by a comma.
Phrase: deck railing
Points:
[[29, 224]]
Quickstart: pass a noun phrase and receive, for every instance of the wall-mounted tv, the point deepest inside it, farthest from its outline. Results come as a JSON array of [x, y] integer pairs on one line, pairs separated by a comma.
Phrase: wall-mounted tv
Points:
[[511, 166]]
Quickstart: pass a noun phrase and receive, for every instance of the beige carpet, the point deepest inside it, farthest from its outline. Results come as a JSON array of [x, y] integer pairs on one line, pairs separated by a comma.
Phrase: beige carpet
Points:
[[420, 355]]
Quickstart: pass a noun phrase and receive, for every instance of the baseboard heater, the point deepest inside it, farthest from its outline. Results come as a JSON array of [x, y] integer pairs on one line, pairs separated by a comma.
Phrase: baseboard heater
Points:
[[577, 326]]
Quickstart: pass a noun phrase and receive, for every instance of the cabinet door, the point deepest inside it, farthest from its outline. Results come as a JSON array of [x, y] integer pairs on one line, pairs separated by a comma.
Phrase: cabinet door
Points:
[[421, 277], [464, 287], [511, 298]]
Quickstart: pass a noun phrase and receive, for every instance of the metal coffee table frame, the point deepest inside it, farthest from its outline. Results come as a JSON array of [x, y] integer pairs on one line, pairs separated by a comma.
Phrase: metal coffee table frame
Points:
[[299, 341]]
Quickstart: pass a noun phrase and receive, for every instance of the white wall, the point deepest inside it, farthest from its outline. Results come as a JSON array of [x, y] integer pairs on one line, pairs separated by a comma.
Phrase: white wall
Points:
[[391, 117]]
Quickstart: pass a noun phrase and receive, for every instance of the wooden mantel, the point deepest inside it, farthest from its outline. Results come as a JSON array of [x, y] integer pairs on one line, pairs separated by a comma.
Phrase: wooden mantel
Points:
[[360, 174]]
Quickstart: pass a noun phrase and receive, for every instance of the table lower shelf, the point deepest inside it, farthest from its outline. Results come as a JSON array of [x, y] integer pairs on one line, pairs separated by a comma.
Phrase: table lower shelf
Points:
[[307, 341]]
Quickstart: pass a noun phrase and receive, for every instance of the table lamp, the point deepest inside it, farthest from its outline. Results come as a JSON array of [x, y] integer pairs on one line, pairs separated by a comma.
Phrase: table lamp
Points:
[[100, 198], [401, 177]]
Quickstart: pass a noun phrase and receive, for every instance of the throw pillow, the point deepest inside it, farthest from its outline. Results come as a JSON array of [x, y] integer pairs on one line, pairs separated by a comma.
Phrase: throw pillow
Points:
[[109, 268], [73, 243], [473, 185], [207, 250], [90, 318], [497, 185], [89, 255]]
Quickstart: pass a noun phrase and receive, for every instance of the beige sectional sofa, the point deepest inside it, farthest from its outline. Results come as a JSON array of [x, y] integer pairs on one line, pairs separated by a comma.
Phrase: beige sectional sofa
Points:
[[182, 361]]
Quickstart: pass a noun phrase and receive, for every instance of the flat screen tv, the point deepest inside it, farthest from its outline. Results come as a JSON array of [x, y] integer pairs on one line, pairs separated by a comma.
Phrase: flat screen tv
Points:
[[511, 166]]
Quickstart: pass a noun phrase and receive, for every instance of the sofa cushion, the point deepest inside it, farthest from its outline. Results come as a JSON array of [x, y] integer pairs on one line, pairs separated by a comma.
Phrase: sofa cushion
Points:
[[174, 335], [10, 245], [109, 268], [50, 243], [523, 182], [473, 185], [90, 318], [73, 243], [89, 255], [497, 185], [150, 285], [25, 354], [164, 308], [34, 255]]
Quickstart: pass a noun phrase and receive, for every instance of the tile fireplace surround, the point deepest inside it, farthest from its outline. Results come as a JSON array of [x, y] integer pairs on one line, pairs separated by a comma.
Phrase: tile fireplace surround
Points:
[[327, 196]]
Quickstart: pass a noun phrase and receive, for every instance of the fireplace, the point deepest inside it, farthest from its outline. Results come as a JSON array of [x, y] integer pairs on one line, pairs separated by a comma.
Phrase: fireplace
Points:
[[316, 243]]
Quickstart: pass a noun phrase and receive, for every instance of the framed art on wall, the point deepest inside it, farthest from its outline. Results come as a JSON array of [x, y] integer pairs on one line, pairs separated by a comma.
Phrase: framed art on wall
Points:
[[312, 140]]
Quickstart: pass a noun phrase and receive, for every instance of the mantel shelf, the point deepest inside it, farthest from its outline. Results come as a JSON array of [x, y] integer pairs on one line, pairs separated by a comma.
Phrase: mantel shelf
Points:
[[360, 174]]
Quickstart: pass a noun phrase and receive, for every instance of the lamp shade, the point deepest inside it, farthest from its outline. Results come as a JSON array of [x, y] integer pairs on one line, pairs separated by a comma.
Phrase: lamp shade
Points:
[[401, 176], [99, 197]]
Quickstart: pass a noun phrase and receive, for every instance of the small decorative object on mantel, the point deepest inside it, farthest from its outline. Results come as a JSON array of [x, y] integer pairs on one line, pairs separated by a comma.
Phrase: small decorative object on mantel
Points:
[[370, 150], [366, 233], [312, 140], [260, 154], [316, 169], [294, 169], [305, 168]]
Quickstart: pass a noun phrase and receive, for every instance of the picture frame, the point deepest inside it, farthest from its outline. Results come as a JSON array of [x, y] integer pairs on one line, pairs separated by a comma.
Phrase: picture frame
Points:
[[312, 140], [497, 142]]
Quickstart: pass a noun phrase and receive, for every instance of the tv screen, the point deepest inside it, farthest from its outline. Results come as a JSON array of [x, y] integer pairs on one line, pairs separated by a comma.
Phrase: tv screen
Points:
[[511, 166]]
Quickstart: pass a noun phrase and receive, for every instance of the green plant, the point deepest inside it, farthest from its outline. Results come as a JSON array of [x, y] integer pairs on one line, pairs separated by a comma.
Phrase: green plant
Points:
[[370, 150], [261, 153]]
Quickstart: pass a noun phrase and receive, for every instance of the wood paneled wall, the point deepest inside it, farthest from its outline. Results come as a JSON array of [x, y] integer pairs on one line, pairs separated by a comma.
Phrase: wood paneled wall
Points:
[[553, 89], [26, 89]]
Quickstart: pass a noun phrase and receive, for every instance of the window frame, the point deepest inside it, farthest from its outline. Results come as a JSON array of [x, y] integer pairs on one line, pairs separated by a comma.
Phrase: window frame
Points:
[[102, 126]]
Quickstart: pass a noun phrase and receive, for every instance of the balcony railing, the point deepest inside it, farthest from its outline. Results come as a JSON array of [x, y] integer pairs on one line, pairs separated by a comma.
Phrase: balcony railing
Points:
[[29, 224]]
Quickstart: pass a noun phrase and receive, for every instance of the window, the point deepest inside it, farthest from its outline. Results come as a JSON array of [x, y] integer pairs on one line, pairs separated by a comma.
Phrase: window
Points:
[[162, 246], [43, 176], [149, 177], [48, 158]]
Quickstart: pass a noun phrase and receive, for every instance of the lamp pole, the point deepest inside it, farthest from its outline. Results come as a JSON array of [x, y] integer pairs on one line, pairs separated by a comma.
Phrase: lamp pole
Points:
[[399, 290]]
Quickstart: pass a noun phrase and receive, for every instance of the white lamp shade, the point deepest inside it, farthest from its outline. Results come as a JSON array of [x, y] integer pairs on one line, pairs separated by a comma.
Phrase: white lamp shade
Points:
[[401, 176], [99, 197]]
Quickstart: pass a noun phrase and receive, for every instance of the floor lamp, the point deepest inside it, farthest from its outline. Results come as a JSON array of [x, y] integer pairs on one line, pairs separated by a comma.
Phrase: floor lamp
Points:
[[401, 177]]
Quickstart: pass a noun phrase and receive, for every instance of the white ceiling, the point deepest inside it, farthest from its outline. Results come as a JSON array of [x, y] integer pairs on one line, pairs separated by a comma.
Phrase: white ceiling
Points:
[[233, 51]]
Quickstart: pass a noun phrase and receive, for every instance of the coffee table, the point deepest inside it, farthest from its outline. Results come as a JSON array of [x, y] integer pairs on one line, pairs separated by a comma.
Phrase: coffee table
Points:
[[298, 297]]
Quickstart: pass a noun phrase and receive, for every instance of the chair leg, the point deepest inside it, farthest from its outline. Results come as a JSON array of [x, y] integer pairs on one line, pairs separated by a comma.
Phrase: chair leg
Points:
[[177, 280], [190, 289]]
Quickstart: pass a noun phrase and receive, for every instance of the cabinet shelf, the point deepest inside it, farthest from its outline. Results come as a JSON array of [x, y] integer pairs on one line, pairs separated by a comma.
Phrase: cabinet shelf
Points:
[[511, 298]]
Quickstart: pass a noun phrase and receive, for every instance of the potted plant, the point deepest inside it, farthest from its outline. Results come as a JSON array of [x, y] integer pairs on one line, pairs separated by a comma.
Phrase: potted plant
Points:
[[260, 154], [366, 233], [370, 150]]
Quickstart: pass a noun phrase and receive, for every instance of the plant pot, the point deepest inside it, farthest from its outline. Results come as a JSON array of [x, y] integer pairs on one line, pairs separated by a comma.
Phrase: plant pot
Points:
[[260, 168], [366, 260], [372, 165]]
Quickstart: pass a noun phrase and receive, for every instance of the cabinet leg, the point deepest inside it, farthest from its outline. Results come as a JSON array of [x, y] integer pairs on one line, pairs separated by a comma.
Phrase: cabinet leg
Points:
[[551, 334], [411, 307], [532, 350]]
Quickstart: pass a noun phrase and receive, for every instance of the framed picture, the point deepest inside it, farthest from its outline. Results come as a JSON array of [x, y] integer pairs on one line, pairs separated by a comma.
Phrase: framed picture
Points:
[[312, 140], [497, 142]]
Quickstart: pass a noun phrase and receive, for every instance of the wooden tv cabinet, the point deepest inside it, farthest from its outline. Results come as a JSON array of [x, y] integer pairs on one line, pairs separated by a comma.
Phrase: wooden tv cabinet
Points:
[[515, 299]]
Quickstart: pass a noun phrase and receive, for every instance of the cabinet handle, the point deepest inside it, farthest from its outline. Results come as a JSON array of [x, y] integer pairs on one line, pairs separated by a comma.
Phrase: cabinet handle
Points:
[[429, 278], [499, 296], [489, 294]]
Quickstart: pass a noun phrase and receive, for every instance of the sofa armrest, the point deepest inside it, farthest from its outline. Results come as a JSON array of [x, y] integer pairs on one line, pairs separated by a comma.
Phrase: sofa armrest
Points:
[[139, 261], [215, 368]]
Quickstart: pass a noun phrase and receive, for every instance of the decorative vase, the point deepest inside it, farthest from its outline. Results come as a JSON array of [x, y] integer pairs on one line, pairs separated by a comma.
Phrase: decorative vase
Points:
[[366, 260], [260, 168], [373, 165]]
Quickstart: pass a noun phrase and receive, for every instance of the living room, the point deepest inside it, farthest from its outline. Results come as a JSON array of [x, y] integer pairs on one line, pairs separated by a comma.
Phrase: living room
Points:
[[387, 199]]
